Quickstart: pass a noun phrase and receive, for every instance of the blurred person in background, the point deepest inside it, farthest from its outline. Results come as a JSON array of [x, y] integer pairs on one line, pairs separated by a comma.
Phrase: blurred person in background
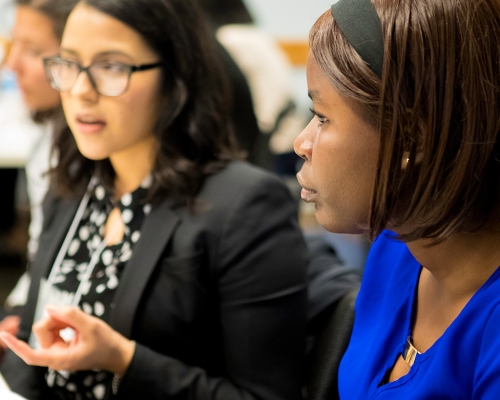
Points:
[[269, 76], [36, 34], [180, 270], [8, 176]]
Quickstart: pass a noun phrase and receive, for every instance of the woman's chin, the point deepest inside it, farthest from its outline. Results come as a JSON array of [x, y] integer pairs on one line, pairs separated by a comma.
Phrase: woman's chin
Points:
[[333, 223], [93, 154]]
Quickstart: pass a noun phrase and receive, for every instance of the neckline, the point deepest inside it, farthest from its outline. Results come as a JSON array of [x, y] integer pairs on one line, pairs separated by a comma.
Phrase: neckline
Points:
[[403, 334], [414, 301]]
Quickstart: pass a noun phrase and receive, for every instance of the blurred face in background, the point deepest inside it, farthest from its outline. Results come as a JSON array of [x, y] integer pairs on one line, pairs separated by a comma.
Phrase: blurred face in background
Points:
[[33, 38]]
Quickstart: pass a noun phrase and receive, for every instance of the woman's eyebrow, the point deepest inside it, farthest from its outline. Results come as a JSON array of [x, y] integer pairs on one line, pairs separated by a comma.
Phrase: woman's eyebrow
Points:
[[101, 54], [314, 96], [73, 52]]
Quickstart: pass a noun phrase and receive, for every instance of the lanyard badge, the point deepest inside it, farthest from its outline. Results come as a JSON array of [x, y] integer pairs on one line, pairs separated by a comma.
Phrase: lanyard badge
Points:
[[50, 294]]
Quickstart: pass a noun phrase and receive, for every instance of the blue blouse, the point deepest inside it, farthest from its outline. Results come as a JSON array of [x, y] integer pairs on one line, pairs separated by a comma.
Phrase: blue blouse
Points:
[[464, 363]]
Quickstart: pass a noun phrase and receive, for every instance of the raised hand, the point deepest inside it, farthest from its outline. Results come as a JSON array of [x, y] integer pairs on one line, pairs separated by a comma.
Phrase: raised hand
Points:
[[95, 344]]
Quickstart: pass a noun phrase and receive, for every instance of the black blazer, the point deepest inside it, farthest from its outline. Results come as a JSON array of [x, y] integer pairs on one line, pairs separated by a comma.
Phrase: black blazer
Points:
[[215, 301]]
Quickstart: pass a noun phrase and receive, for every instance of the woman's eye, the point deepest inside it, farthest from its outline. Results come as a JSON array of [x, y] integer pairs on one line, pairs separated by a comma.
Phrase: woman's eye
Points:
[[321, 118], [33, 51], [112, 67]]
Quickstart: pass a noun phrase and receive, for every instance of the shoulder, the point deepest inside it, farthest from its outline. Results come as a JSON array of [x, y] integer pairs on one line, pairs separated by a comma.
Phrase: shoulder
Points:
[[484, 308], [238, 169], [240, 180], [481, 338]]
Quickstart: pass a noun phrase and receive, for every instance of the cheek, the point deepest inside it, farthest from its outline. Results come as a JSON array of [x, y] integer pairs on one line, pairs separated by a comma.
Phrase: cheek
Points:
[[139, 111], [345, 166], [37, 80], [40, 95]]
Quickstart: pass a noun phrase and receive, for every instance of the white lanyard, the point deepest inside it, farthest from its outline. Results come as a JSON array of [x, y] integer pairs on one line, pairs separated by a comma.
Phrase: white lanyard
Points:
[[48, 294], [67, 242]]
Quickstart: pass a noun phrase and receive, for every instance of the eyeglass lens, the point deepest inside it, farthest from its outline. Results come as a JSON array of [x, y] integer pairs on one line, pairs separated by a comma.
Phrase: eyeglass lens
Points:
[[110, 79]]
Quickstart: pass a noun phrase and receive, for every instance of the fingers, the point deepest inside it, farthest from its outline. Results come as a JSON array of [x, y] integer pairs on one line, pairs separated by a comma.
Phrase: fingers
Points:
[[10, 324], [73, 317], [96, 345], [47, 331], [4, 338], [19, 347], [52, 358]]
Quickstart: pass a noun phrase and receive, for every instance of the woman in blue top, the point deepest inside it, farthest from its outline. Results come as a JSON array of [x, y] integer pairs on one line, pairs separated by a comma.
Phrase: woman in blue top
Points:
[[404, 146]]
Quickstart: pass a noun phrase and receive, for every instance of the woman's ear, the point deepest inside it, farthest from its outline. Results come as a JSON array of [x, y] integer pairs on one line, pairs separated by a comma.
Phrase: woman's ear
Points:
[[414, 133]]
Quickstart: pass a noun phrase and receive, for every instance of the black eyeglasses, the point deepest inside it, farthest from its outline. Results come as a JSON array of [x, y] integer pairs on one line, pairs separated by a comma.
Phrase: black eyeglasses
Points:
[[108, 78]]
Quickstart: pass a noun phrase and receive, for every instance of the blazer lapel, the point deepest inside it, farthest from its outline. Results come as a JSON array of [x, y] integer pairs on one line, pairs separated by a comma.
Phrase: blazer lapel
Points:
[[53, 237], [157, 229], [60, 214]]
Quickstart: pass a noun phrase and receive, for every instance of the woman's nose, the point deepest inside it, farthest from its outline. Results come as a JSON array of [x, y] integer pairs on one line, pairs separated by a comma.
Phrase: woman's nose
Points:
[[83, 87], [304, 142]]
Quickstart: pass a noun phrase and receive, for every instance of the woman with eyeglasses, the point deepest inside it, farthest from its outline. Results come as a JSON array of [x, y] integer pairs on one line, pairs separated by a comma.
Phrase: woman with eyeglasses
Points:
[[167, 268], [404, 145]]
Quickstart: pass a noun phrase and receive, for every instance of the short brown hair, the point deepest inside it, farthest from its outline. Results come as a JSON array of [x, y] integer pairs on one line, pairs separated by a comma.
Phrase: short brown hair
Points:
[[437, 104]]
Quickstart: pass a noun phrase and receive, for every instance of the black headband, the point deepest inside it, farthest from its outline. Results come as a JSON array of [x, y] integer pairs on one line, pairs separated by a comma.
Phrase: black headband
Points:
[[361, 25]]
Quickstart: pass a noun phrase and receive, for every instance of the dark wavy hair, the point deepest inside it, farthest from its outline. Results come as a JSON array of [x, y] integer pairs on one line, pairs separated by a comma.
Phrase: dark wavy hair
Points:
[[437, 105], [224, 12], [194, 131]]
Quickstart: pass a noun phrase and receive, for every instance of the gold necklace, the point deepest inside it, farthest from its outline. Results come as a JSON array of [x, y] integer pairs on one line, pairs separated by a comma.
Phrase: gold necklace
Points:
[[410, 352]]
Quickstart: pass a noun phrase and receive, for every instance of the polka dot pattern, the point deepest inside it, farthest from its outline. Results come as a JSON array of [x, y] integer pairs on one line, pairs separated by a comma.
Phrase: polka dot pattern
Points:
[[135, 236], [99, 290]]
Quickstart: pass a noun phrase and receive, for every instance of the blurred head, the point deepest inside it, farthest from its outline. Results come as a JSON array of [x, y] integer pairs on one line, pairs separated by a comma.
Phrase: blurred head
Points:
[[224, 12], [178, 101], [434, 114], [36, 34]]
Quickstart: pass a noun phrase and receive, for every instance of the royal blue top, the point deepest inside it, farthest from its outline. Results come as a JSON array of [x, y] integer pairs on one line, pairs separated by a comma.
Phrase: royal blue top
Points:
[[464, 363]]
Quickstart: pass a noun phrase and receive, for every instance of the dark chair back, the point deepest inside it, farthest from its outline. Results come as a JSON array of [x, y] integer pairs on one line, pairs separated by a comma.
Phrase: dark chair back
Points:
[[329, 347]]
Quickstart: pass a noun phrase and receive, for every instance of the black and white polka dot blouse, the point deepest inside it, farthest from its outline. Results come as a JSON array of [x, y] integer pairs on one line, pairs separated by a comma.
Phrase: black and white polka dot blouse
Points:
[[98, 294]]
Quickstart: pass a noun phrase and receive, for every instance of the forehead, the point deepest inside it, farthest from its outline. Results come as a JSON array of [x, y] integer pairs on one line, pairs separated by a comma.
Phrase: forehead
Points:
[[324, 95], [90, 32], [33, 26], [320, 89]]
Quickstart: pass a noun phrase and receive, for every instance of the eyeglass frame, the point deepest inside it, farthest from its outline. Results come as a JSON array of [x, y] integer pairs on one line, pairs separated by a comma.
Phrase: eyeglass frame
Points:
[[131, 69]]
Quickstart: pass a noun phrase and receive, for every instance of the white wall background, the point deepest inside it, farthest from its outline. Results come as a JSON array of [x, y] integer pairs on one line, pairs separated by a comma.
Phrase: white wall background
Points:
[[6, 16], [292, 20], [287, 19]]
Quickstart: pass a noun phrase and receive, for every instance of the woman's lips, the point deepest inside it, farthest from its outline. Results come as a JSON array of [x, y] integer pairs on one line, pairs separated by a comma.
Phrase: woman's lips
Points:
[[307, 194], [90, 125]]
